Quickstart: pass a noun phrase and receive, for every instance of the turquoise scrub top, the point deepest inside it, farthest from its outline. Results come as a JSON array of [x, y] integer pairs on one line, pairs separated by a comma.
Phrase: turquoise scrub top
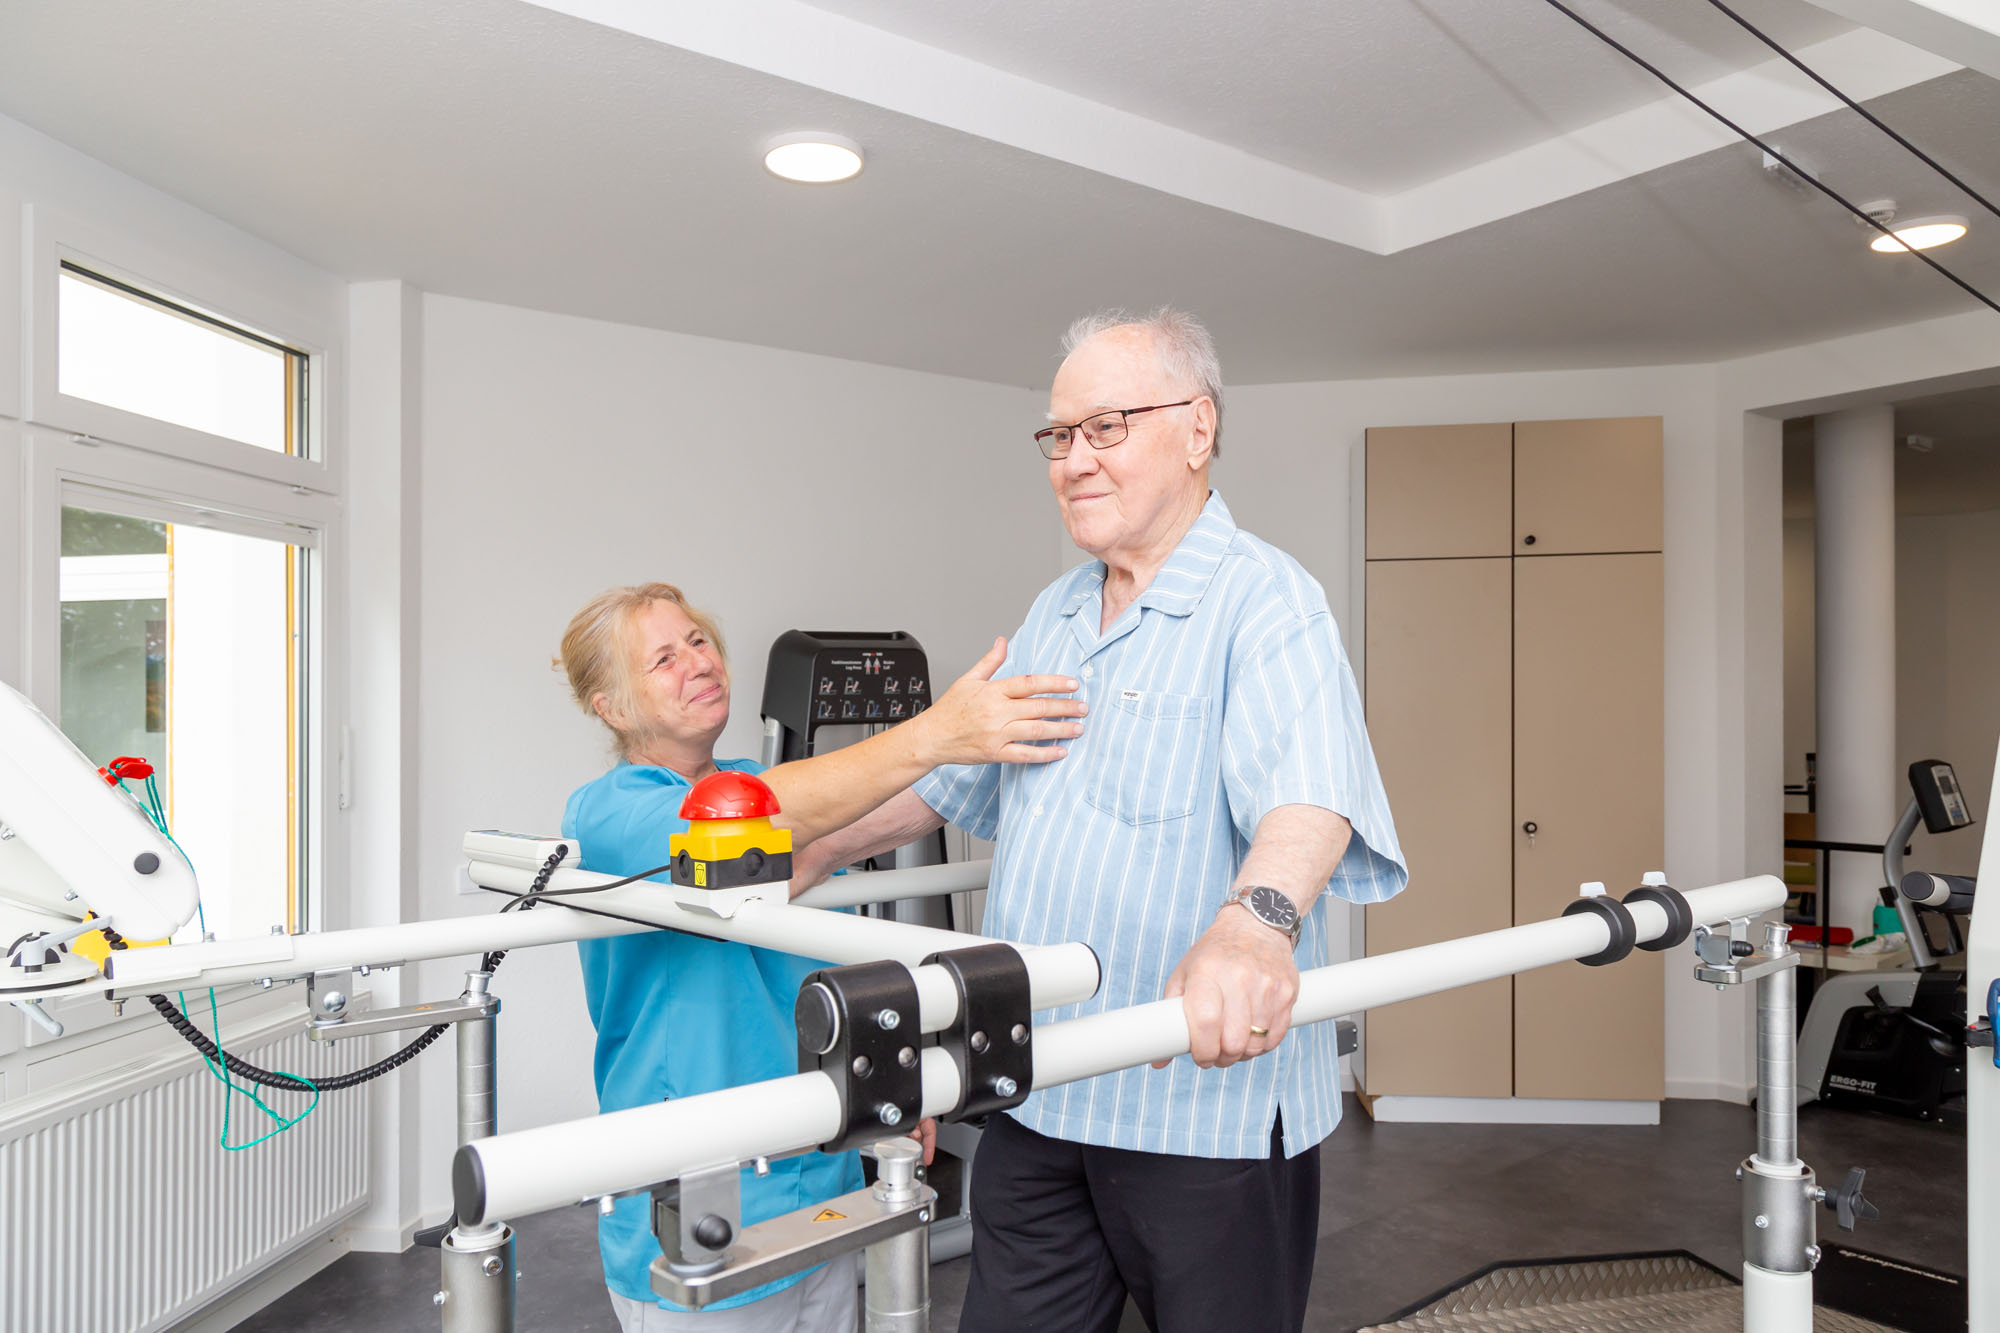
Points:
[[680, 1014]]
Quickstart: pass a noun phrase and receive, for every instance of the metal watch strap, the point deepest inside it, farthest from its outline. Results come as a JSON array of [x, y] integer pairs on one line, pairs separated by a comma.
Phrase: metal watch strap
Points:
[[1291, 932]]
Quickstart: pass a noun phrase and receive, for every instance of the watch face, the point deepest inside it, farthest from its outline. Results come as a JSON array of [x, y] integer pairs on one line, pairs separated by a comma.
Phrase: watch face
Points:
[[1273, 906]]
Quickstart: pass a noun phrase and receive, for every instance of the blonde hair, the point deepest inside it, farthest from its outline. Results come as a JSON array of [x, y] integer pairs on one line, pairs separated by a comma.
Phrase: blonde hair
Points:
[[593, 654]]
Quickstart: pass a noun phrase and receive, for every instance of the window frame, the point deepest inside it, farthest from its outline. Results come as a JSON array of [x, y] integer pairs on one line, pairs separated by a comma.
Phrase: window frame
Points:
[[62, 471], [53, 241]]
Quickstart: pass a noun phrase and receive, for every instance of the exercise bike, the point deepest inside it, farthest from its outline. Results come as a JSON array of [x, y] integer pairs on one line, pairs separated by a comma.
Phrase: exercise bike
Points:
[[1894, 1042]]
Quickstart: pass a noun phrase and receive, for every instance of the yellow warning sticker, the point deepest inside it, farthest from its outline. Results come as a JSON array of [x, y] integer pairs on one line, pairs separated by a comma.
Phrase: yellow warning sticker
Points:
[[828, 1215]]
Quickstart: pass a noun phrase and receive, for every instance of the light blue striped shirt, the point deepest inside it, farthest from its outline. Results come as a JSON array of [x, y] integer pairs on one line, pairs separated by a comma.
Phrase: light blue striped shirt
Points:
[[1220, 694]]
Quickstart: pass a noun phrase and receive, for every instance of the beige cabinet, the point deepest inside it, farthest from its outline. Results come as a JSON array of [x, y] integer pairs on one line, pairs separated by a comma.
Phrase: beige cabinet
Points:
[[1439, 643], [1514, 682], [1588, 763]]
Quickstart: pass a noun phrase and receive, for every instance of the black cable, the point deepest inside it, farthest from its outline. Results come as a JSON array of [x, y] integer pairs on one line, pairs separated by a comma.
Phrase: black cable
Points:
[[1777, 156], [1853, 105], [291, 1083], [534, 894]]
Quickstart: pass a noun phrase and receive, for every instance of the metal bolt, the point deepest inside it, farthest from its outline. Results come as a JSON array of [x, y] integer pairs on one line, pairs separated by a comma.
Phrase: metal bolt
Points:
[[1739, 1173], [1005, 1086], [606, 1205], [1817, 1193], [437, 1298], [761, 1165], [907, 1057], [889, 1019], [862, 1066], [1762, 1221], [923, 1214], [1812, 1255], [890, 1115], [1020, 1034], [978, 1042], [333, 1001], [492, 1265]]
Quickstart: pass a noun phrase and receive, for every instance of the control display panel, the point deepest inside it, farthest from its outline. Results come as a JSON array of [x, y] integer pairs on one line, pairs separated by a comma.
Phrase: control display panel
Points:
[[822, 678], [1939, 798]]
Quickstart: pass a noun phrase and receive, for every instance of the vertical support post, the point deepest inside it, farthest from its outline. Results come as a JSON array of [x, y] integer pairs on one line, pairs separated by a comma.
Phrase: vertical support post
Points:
[[1854, 610], [898, 1269], [1779, 1192], [476, 1290]]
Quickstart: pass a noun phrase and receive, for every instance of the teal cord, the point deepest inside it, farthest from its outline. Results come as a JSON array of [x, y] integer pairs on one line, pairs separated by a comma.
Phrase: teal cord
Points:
[[229, 1085]]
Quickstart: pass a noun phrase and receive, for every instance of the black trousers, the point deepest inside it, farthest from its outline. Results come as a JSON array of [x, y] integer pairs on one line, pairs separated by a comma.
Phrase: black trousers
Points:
[[1063, 1232]]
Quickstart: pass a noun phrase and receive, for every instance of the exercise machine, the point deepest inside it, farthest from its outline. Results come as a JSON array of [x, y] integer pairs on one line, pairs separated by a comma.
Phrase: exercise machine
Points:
[[1894, 1041]]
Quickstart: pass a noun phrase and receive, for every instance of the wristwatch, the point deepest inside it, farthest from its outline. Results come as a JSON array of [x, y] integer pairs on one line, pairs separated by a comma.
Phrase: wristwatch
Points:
[[1271, 907]]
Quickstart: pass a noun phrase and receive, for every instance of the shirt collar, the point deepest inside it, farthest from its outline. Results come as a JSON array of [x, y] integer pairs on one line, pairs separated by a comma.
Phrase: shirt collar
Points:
[[1178, 587]]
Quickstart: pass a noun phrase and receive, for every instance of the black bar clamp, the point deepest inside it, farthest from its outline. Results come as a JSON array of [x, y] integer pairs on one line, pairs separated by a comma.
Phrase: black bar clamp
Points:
[[1680, 917], [859, 1026], [1617, 919], [992, 1040]]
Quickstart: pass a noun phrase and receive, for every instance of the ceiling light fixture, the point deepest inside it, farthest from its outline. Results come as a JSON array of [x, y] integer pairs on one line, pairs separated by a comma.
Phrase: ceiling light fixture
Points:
[[1919, 234], [813, 156]]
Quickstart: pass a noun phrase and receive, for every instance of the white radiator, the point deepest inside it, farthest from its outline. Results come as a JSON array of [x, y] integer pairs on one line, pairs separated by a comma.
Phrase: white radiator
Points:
[[120, 1214]]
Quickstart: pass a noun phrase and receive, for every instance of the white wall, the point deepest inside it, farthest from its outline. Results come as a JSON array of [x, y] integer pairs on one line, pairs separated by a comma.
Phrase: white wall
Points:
[[780, 490]]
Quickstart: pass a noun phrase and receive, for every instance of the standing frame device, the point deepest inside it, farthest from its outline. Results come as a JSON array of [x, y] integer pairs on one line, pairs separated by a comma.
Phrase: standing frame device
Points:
[[913, 1021]]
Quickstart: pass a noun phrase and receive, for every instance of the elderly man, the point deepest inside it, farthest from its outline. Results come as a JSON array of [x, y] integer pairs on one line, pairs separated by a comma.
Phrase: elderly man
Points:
[[1223, 781]]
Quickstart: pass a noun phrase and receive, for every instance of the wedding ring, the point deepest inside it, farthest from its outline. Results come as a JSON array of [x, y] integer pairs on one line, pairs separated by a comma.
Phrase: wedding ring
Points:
[[1260, 1032]]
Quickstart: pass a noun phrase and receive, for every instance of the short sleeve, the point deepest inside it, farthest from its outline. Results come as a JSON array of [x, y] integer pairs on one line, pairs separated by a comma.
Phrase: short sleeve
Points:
[[1293, 734], [968, 795]]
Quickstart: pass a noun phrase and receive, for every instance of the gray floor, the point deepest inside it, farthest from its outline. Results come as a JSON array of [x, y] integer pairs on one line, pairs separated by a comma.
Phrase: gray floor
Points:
[[1408, 1210]]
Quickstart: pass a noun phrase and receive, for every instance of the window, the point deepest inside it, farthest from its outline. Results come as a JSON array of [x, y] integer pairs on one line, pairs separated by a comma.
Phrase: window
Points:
[[182, 643], [127, 349]]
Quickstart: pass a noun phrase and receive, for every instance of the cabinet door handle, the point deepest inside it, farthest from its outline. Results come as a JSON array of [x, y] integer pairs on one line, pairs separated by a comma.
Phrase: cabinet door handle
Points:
[[1528, 540]]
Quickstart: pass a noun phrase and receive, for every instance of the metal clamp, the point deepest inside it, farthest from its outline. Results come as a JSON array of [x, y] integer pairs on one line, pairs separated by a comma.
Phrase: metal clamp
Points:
[[697, 1274], [992, 1041], [858, 1025], [1731, 960]]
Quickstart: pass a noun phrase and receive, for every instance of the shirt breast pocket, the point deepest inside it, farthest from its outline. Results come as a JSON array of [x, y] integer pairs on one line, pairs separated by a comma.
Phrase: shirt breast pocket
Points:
[[1150, 762]]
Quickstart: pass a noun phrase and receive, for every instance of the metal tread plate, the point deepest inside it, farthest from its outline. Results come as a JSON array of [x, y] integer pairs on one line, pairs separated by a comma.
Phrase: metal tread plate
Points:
[[1620, 1295]]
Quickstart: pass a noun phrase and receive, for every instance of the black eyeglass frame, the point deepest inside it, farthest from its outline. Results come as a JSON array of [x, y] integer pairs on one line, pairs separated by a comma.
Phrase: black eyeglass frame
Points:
[[1045, 442]]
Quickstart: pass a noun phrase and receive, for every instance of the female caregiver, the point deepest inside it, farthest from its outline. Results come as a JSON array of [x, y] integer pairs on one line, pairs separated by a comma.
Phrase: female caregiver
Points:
[[681, 1014]]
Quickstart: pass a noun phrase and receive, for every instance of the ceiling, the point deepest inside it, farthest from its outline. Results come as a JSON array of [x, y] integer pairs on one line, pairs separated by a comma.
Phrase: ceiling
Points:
[[1380, 97], [1369, 187], [1959, 474]]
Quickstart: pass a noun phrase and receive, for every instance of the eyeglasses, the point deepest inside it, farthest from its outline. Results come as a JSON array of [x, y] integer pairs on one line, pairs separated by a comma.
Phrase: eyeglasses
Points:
[[1103, 430]]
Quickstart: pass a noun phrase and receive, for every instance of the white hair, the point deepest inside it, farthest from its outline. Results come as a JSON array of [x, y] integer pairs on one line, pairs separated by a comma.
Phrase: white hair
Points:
[[1187, 352]]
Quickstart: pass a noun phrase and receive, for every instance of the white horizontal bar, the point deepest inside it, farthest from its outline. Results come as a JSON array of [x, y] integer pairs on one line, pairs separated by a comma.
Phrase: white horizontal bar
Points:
[[283, 957], [882, 886], [1057, 975], [532, 1170], [1119, 1038], [528, 1171]]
